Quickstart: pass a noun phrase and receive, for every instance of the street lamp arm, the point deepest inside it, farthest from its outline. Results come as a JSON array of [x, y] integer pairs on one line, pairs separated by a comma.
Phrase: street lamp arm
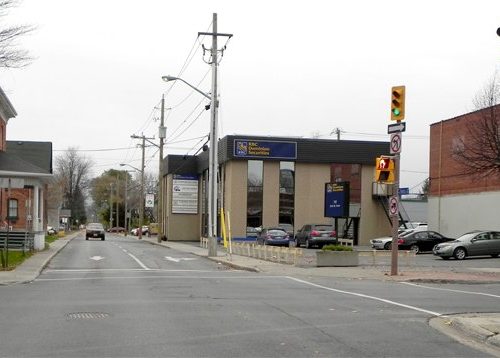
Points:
[[131, 166], [172, 78]]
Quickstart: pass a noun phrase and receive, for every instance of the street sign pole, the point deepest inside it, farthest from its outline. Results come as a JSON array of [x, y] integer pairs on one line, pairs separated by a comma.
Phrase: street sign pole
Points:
[[398, 114]]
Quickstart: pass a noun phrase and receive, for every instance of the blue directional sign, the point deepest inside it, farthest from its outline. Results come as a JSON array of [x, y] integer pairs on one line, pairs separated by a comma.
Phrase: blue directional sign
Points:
[[337, 200]]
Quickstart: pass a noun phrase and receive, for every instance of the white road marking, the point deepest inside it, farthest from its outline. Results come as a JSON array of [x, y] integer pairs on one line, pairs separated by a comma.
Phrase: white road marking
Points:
[[179, 259], [121, 270], [451, 290], [367, 296], [97, 258], [138, 261]]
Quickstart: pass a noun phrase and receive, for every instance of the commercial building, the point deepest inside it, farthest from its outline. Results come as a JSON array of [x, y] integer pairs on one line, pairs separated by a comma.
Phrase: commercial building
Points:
[[267, 181]]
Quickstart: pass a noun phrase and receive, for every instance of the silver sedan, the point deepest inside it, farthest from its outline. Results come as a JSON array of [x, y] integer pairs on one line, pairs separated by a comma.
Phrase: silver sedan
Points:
[[475, 243]]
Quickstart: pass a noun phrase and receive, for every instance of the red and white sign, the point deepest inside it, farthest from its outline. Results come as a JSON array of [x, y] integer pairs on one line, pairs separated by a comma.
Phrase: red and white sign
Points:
[[396, 143]]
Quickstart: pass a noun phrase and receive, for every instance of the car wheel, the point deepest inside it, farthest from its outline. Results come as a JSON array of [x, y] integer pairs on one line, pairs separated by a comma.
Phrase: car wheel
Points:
[[459, 253], [494, 255], [415, 249], [308, 244], [102, 239], [86, 237], [388, 245], [297, 243]]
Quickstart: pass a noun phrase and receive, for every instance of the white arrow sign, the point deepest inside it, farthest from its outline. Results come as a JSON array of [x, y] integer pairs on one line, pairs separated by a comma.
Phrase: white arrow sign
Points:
[[179, 259], [96, 258]]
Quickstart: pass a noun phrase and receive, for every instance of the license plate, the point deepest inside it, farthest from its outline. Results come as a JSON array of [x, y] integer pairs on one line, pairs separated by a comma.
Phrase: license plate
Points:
[[95, 235], [325, 235]]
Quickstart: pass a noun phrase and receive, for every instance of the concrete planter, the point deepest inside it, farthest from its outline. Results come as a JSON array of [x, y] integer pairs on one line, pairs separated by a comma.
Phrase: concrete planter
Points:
[[336, 258]]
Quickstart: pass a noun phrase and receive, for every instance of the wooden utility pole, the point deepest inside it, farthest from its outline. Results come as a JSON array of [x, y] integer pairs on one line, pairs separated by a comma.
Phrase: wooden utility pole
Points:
[[162, 133], [213, 154]]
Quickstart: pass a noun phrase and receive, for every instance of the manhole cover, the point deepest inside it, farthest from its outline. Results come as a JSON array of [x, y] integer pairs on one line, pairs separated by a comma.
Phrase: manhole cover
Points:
[[87, 315]]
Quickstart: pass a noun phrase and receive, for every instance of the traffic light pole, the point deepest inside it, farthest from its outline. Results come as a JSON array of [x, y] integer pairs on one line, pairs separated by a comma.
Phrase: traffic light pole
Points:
[[395, 218]]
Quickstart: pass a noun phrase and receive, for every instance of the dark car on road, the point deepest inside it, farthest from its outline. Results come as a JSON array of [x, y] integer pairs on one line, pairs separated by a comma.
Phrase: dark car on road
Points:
[[273, 236], [95, 230], [477, 243], [316, 235], [418, 241]]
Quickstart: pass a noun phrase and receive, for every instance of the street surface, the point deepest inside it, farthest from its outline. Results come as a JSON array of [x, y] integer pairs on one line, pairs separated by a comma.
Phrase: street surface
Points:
[[126, 298]]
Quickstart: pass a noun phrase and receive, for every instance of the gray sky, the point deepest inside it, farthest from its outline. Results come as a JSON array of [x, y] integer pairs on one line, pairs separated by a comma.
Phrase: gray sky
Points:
[[293, 68]]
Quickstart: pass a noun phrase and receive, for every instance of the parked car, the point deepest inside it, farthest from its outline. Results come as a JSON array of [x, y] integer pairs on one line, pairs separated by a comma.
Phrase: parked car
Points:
[[252, 232], [288, 228], [413, 226], [316, 235], [418, 241], [117, 229], [51, 230], [474, 243], [95, 230], [273, 236], [135, 231], [153, 229], [385, 242]]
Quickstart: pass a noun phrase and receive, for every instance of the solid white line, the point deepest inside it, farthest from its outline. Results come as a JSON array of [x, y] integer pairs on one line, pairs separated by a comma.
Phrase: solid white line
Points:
[[451, 290], [146, 277], [139, 262], [122, 270], [367, 296]]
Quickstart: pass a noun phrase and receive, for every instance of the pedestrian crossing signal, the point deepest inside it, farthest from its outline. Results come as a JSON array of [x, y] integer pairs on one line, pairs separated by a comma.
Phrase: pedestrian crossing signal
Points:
[[384, 170]]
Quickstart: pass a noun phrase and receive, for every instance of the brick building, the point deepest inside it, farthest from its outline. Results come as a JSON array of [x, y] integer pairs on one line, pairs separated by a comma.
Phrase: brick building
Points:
[[25, 171], [459, 202]]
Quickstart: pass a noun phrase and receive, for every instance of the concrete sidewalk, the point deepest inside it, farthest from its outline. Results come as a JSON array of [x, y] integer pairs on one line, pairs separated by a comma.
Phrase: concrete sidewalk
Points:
[[31, 268]]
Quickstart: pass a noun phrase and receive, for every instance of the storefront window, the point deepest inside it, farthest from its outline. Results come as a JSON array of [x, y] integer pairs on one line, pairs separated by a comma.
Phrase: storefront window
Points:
[[287, 193], [254, 193]]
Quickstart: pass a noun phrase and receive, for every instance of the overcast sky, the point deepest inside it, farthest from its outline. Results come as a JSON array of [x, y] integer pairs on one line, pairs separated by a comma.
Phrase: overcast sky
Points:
[[292, 68]]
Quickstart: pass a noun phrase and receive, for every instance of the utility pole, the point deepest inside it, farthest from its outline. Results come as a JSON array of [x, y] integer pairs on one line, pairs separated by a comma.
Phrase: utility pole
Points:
[[110, 205], [162, 133], [116, 193], [126, 202], [141, 204], [213, 154]]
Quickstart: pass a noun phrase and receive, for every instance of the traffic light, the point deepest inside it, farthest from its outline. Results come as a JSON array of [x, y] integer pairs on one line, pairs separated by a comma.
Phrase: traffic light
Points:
[[398, 103], [384, 170]]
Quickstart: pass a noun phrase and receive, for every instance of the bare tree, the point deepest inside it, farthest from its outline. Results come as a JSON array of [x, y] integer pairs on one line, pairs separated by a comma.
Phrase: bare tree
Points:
[[10, 54], [72, 173], [478, 151]]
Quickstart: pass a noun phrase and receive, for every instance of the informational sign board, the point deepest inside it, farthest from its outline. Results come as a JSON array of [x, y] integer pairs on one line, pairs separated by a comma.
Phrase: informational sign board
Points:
[[150, 201], [337, 200], [245, 148], [185, 194]]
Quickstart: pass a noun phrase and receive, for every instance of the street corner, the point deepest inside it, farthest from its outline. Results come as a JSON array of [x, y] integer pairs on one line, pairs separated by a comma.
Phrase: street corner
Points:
[[446, 277], [477, 330]]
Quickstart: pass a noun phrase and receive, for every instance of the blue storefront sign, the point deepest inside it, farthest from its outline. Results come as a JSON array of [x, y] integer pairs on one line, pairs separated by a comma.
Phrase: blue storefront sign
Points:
[[244, 148], [337, 200]]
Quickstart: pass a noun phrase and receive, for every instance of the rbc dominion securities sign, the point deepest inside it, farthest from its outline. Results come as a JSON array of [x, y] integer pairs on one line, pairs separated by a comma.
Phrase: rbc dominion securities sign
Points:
[[244, 148]]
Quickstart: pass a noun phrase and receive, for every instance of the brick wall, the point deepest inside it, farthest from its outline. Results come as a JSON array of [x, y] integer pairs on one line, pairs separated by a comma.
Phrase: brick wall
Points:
[[446, 174]]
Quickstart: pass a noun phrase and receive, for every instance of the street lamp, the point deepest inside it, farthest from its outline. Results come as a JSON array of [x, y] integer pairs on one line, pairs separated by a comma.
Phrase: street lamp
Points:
[[141, 204], [213, 164]]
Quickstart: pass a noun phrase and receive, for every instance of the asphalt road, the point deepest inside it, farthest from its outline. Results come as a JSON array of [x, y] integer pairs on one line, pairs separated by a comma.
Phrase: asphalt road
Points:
[[126, 298]]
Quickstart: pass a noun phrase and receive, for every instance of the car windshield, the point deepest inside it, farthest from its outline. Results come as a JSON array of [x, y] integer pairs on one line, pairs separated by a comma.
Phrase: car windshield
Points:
[[466, 237]]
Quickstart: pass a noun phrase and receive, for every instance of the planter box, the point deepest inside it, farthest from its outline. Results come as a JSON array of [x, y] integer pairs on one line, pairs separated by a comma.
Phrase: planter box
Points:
[[336, 258]]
